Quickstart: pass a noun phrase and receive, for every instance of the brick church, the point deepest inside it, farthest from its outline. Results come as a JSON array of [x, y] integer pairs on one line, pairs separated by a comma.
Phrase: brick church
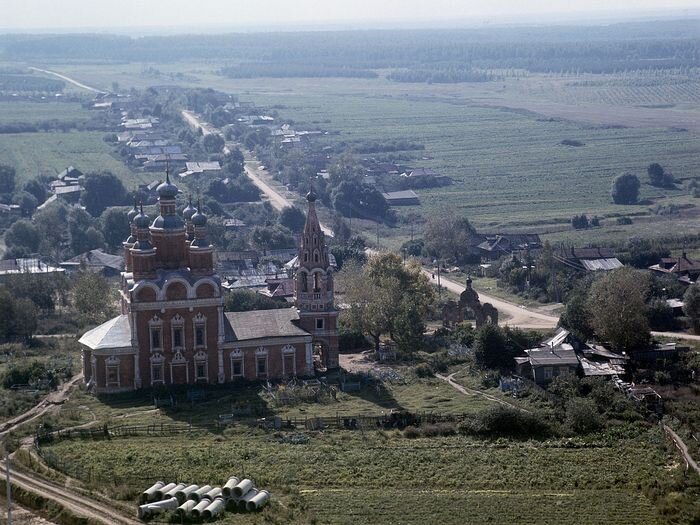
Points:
[[173, 329]]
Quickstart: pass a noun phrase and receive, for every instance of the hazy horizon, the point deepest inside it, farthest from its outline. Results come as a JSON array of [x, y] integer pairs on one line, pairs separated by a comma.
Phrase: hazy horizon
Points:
[[217, 15]]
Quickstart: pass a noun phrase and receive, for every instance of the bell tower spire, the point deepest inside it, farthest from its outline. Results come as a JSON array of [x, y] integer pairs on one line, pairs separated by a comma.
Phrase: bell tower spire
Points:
[[314, 295]]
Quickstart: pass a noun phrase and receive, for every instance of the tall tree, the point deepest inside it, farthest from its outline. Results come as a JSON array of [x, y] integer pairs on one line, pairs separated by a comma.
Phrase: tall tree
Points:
[[625, 189], [102, 190], [92, 296], [388, 297], [447, 236], [618, 310], [691, 306]]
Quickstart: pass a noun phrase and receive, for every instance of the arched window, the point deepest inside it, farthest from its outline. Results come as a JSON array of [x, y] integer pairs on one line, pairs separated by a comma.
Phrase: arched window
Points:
[[317, 282]]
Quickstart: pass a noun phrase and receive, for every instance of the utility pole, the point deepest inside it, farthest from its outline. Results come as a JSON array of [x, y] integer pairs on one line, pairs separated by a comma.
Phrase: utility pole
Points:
[[8, 488], [439, 284]]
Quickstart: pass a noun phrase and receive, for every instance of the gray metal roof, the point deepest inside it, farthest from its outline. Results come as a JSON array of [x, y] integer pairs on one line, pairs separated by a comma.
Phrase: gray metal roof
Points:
[[594, 265], [559, 356], [115, 333], [263, 324]]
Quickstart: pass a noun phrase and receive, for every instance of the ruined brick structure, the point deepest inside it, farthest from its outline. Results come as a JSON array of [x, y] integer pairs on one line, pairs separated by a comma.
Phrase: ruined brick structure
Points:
[[454, 313]]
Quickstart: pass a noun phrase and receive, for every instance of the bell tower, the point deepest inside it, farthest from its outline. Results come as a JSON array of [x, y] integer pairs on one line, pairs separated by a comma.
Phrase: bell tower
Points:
[[314, 290]]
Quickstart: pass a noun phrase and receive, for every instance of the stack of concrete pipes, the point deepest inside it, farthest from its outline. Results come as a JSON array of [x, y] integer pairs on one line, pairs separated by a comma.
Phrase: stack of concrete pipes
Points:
[[201, 503]]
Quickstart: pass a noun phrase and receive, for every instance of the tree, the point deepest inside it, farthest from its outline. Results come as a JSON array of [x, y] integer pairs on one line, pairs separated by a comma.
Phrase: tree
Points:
[[618, 310], [658, 176], [52, 224], [7, 179], [447, 236], [577, 317], [25, 319], [92, 297], [213, 143], [101, 191], [246, 300], [26, 201], [691, 306], [293, 219], [625, 189], [37, 189], [24, 235], [115, 227], [387, 297], [490, 347]]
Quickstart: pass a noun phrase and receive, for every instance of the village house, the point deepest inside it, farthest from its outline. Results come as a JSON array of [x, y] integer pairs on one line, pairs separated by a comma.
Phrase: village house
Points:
[[588, 259], [497, 245], [401, 198], [96, 261], [173, 329], [683, 268]]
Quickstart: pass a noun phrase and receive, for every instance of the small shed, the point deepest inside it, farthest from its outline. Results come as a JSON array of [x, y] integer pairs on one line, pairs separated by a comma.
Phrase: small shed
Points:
[[401, 198]]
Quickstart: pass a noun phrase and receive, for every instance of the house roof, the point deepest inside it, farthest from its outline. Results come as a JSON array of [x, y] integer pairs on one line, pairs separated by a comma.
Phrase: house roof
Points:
[[562, 355], [262, 324], [594, 265], [405, 194], [115, 333], [587, 253], [32, 265], [97, 258]]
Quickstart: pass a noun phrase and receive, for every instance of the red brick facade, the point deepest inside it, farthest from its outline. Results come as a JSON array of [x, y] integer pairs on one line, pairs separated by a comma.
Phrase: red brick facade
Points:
[[173, 330]]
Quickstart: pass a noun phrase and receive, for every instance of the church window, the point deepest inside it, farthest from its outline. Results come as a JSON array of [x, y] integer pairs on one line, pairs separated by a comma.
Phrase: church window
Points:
[[201, 371], [200, 331], [319, 324], [177, 337], [112, 371], [317, 282], [155, 338], [199, 335], [304, 283], [237, 367], [261, 366], [306, 257], [316, 257]]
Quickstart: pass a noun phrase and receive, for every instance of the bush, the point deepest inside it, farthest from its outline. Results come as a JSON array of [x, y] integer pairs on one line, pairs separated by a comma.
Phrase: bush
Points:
[[582, 416], [506, 422], [662, 377], [423, 371]]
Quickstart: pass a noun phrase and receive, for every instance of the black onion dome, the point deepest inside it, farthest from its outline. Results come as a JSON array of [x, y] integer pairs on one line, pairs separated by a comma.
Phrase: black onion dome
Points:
[[142, 220], [199, 219], [311, 196], [167, 190], [189, 211], [132, 213]]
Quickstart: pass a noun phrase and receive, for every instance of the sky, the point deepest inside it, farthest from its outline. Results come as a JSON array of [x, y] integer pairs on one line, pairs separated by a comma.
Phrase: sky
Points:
[[198, 15]]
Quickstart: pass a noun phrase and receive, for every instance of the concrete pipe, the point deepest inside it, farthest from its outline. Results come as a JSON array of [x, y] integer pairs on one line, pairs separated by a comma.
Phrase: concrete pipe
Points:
[[243, 502], [197, 494], [258, 502], [185, 509], [184, 494], [150, 493], [160, 493], [231, 504], [171, 493], [216, 507], [228, 487], [151, 509], [242, 488], [199, 507], [213, 494]]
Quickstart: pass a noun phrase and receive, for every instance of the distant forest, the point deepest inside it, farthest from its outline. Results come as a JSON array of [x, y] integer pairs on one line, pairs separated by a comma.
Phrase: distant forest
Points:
[[468, 55]]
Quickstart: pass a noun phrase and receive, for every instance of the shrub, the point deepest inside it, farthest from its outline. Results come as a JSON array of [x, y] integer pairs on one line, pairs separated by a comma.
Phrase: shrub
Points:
[[423, 370], [623, 221], [411, 432], [506, 422], [582, 416]]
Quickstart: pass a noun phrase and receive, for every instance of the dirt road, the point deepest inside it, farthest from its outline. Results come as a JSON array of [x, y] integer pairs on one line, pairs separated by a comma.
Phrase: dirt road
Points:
[[53, 399], [68, 79], [517, 315], [471, 392], [77, 504]]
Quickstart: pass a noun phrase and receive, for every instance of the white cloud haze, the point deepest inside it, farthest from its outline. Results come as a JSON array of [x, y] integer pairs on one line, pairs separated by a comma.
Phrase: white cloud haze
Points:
[[201, 14]]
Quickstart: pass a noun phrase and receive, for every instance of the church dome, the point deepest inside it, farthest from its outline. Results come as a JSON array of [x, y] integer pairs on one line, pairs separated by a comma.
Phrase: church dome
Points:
[[167, 190], [132, 213], [311, 196], [142, 220], [199, 219], [189, 211]]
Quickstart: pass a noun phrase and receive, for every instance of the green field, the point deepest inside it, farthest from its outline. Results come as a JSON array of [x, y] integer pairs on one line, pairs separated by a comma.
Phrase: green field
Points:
[[371, 477], [33, 112], [500, 141], [33, 154]]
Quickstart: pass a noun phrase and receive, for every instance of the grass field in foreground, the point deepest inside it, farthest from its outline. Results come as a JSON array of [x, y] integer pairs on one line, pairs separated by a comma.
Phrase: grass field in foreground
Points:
[[373, 477], [33, 154]]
